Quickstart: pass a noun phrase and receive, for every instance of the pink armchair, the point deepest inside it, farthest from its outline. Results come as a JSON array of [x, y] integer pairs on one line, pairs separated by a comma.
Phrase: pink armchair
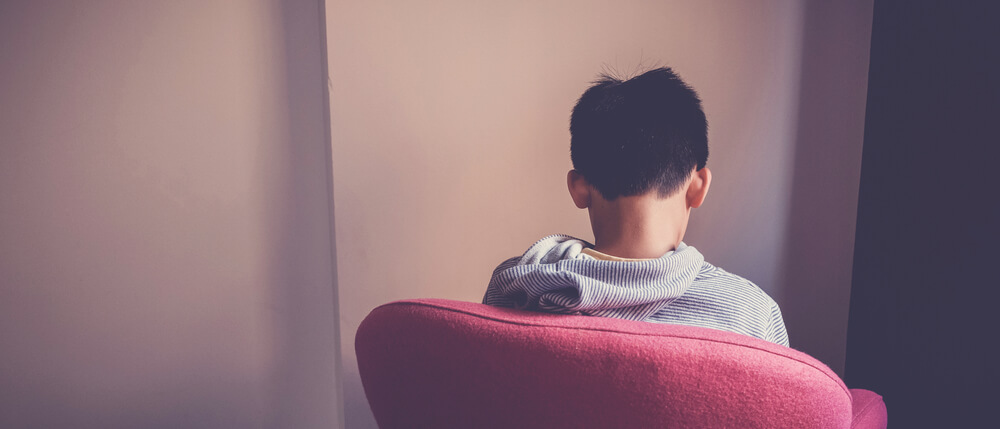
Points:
[[433, 363]]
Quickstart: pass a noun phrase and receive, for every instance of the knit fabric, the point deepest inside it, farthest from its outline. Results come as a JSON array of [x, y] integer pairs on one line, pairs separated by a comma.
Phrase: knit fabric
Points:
[[555, 276]]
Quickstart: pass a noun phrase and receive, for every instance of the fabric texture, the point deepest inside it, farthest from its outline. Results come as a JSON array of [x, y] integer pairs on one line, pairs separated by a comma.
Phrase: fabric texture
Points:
[[869, 410], [443, 364], [555, 275]]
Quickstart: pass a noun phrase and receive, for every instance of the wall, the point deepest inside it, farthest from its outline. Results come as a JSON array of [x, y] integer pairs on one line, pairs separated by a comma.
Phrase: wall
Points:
[[450, 142], [923, 308], [165, 239], [823, 199]]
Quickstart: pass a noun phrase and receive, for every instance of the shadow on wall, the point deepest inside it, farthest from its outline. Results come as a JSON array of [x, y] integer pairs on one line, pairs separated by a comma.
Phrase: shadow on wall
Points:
[[824, 192], [305, 379]]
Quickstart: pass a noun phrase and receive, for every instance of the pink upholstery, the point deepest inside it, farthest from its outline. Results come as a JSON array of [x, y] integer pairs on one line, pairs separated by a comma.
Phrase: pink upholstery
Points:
[[449, 364], [869, 410]]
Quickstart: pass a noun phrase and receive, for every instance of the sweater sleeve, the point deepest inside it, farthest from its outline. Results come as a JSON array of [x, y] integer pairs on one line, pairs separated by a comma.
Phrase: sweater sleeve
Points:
[[776, 327], [493, 296]]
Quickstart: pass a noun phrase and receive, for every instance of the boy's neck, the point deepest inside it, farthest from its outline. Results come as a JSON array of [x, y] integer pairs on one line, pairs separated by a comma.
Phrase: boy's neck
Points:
[[638, 227]]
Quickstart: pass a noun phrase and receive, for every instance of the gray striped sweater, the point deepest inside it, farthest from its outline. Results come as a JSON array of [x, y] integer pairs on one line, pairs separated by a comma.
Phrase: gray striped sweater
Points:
[[679, 288]]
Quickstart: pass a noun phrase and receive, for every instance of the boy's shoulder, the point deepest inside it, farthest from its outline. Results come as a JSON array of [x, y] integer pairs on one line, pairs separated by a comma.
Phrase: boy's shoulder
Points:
[[714, 280]]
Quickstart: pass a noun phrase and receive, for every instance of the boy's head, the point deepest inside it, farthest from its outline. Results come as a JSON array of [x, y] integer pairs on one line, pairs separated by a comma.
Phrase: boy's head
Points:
[[638, 135], [639, 148]]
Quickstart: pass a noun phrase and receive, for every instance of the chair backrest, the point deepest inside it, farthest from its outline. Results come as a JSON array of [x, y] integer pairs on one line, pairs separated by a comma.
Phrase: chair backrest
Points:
[[450, 364]]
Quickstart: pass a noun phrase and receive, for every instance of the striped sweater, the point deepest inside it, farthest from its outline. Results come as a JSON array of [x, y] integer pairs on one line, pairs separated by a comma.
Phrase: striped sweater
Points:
[[678, 287]]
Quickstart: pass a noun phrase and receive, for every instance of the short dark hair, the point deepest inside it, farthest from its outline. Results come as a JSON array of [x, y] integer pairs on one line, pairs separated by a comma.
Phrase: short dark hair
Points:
[[632, 136]]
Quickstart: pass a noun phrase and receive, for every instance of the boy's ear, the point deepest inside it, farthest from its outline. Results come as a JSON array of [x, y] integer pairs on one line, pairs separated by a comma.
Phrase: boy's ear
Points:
[[698, 188], [579, 189]]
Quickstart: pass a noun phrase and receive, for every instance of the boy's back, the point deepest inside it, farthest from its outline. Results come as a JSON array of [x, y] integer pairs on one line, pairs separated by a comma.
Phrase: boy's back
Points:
[[639, 150], [558, 275]]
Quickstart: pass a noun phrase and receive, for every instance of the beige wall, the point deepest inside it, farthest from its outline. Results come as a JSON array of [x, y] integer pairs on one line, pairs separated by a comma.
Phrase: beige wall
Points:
[[165, 243], [450, 142], [165, 253]]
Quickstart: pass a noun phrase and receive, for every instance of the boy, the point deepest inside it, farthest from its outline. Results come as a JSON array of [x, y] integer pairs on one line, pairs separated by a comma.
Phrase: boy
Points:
[[639, 149]]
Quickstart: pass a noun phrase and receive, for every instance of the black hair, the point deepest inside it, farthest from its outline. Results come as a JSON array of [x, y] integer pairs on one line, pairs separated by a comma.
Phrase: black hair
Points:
[[632, 136]]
